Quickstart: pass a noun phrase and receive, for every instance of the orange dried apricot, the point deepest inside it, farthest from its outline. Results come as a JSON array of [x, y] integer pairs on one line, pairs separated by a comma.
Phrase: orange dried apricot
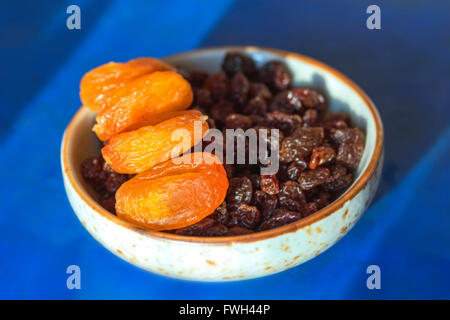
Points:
[[171, 196], [142, 102], [97, 85], [138, 150]]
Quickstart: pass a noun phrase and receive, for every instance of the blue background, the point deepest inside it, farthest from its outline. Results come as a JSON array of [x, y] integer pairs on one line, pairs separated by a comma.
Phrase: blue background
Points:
[[404, 67]]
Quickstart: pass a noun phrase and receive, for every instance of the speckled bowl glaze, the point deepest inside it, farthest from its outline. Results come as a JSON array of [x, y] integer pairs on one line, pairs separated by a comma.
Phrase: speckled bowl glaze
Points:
[[245, 256]]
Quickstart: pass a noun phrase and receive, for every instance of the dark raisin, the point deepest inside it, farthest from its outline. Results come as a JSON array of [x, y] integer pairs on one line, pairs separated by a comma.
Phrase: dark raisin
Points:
[[312, 178], [269, 184], [322, 200], [310, 118], [239, 88], [309, 209], [291, 196], [288, 101], [256, 105], [287, 123], [109, 204], [258, 89], [198, 228], [338, 180], [221, 214], [238, 62], [282, 217], [237, 231], [295, 168], [221, 110], [239, 191], [276, 75], [218, 85], [245, 216], [197, 79], [320, 156], [351, 146], [114, 181], [266, 203], [93, 173], [238, 121], [203, 98], [216, 230], [309, 98]]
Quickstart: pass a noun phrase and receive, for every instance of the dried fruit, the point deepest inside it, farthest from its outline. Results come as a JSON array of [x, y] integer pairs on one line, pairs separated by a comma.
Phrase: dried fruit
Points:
[[240, 191], [239, 88], [281, 217], [235, 62], [143, 101], [312, 178], [276, 75], [291, 196], [320, 156], [245, 216], [139, 150], [351, 146], [269, 184], [98, 85], [171, 196]]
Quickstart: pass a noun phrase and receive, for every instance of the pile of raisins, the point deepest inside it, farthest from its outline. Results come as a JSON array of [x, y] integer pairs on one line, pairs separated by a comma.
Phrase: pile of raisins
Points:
[[319, 150]]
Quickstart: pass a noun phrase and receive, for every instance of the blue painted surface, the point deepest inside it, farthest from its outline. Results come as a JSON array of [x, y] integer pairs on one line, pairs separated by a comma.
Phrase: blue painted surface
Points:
[[405, 68]]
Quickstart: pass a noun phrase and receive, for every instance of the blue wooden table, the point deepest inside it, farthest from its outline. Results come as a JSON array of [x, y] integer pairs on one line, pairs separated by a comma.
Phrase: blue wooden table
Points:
[[404, 67]]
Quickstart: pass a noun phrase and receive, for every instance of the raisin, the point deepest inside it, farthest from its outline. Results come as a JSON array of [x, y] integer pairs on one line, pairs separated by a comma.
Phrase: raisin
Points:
[[218, 84], [266, 203], [295, 168], [291, 196], [258, 89], [239, 191], [338, 180], [92, 172], [221, 110], [282, 217], [198, 228], [276, 75], [288, 101], [320, 156], [238, 121], [322, 200], [309, 98], [114, 181], [310, 118], [235, 62], [221, 214], [216, 230], [197, 79], [287, 123], [312, 178], [351, 146], [109, 204], [256, 105], [203, 98], [245, 216], [269, 184], [237, 231], [239, 88]]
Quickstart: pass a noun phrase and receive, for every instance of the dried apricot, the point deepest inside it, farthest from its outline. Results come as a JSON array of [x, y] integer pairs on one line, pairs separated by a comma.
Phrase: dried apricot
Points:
[[98, 85], [139, 150], [143, 101], [171, 196]]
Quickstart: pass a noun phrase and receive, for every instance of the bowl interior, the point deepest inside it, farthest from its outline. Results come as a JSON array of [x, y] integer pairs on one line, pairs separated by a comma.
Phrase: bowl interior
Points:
[[340, 92]]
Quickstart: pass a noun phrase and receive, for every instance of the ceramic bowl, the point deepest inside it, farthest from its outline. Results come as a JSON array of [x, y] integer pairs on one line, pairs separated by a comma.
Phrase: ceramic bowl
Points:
[[245, 256]]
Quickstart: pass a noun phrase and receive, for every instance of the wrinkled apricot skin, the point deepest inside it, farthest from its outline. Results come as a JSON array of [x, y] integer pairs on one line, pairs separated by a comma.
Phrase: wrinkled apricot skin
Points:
[[139, 150], [141, 102], [171, 196], [98, 85]]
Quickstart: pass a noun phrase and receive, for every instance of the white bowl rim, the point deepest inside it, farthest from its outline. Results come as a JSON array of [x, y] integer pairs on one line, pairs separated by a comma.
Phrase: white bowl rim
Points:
[[359, 184]]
